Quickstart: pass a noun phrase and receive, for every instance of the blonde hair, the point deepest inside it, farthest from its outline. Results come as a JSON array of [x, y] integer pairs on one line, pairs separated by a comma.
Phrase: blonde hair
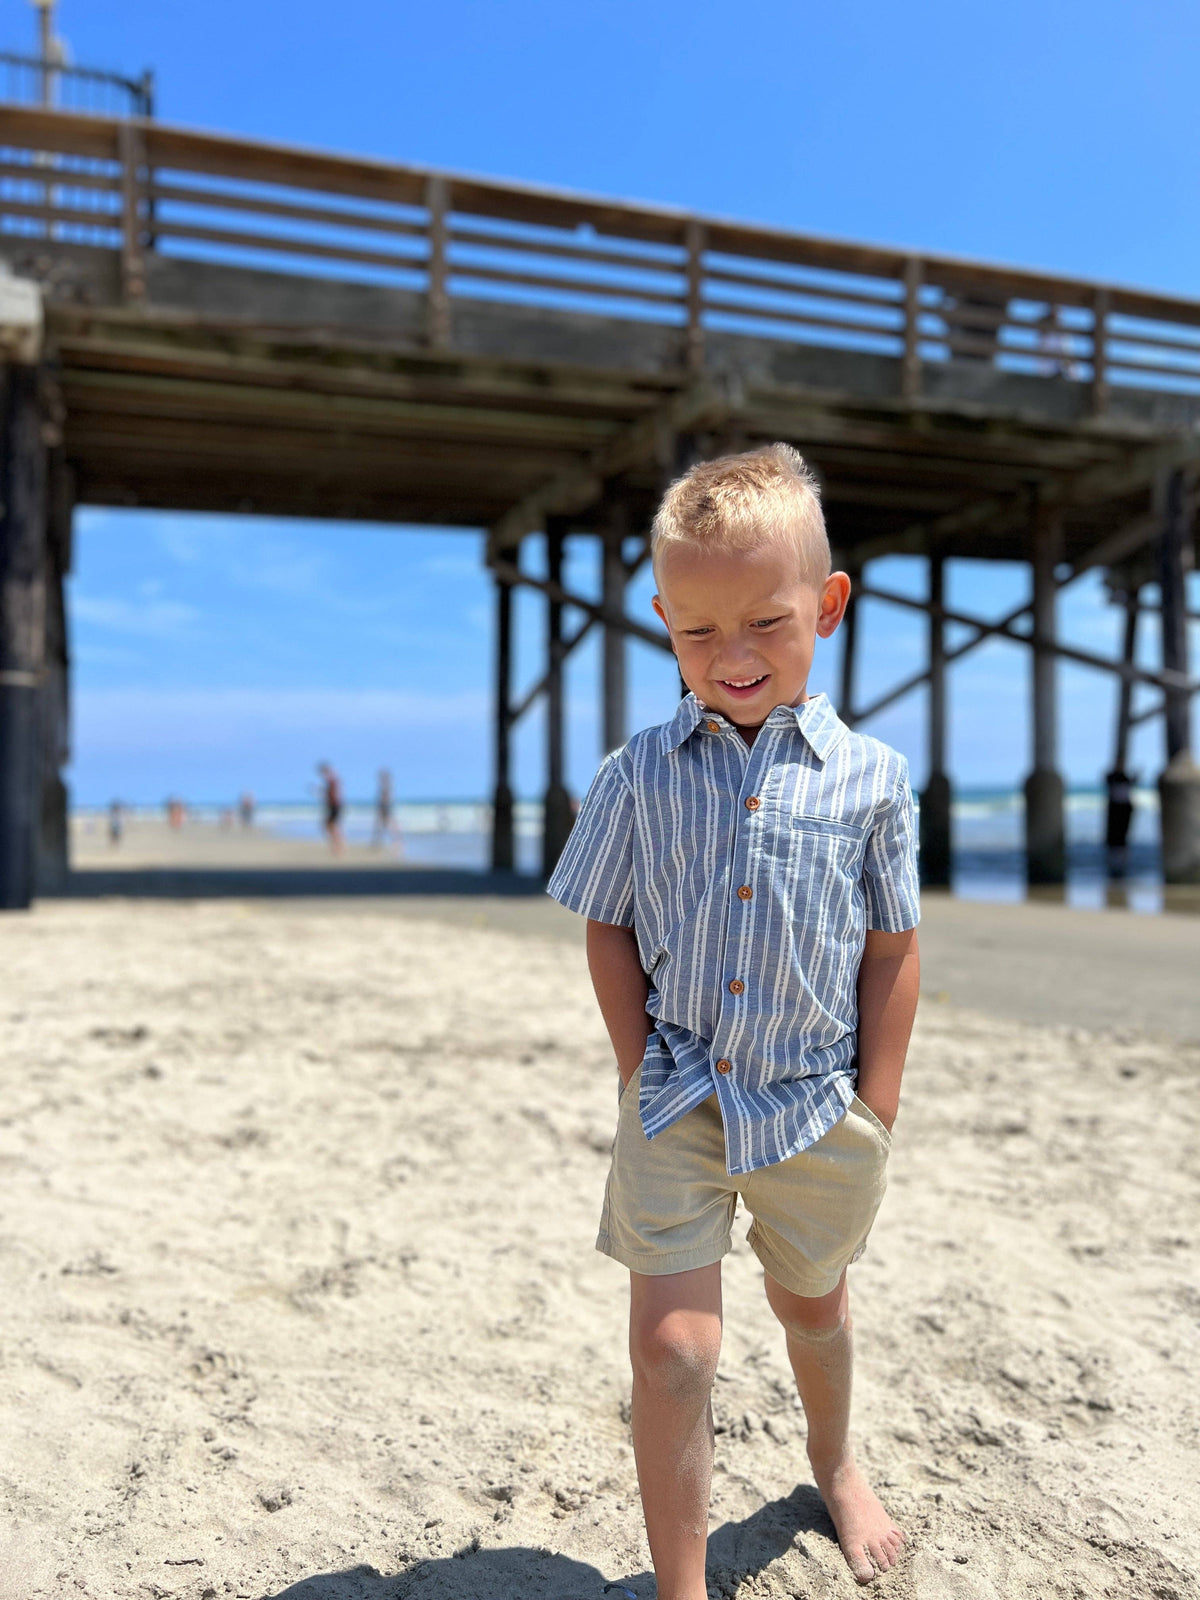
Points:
[[743, 502]]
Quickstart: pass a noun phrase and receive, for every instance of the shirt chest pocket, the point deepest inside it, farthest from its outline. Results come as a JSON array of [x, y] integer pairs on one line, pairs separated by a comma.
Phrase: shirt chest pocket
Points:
[[829, 841]]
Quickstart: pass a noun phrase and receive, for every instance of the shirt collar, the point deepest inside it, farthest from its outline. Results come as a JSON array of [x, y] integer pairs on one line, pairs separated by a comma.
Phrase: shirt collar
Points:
[[815, 719]]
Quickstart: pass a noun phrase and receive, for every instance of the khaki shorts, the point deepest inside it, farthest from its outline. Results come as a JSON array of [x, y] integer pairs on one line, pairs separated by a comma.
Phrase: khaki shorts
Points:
[[669, 1202]]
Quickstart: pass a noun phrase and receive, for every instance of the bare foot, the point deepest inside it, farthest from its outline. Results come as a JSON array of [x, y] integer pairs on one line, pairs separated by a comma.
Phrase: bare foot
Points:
[[866, 1533]]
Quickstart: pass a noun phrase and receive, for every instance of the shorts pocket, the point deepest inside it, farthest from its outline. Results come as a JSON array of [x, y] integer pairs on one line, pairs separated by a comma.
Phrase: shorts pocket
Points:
[[865, 1111], [623, 1088]]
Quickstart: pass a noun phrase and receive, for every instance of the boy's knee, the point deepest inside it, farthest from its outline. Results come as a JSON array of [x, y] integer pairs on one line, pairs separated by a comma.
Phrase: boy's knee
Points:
[[820, 1334], [816, 1320], [675, 1355]]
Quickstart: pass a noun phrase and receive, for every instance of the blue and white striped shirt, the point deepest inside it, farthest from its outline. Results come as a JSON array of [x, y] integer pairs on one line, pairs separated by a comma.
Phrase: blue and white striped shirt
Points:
[[750, 874]]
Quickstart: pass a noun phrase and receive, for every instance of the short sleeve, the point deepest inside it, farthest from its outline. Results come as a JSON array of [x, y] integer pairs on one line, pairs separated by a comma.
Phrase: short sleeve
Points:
[[594, 875], [890, 866]]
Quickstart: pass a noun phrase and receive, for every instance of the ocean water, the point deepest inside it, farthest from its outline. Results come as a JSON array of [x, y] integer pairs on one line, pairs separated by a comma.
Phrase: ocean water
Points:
[[988, 858]]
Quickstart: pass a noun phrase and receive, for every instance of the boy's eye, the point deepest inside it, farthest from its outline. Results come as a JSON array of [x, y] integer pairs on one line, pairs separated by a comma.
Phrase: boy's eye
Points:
[[696, 633], [766, 622]]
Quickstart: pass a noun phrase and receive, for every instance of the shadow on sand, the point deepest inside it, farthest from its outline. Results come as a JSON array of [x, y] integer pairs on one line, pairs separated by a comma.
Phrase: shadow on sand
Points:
[[217, 883], [736, 1551]]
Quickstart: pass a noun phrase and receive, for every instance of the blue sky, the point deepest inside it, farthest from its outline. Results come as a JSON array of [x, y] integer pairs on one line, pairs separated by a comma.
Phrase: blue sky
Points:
[[216, 653]]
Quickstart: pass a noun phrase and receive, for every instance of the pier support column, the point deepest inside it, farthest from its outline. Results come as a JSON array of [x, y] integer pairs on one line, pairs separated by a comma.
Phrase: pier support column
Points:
[[1045, 830], [1179, 782], [22, 628], [936, 797], [615, 639], [557, 818], [53, 847], [1118, 781], [849, 647], [503, 849]]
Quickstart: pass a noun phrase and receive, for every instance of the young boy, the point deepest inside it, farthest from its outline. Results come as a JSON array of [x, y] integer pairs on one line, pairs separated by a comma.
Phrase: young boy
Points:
[[749, 877]]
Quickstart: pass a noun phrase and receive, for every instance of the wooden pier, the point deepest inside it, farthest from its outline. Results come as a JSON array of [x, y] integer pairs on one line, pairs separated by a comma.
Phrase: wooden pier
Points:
[[204, 323]]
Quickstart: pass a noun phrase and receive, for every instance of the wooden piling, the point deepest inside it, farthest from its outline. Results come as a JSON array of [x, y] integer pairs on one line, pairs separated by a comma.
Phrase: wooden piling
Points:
[[22, 628], [849, 648], [1179, 782], [557, 818], [503, 843], [1045, 830], [936, 798], [615, 578], [53, 852]]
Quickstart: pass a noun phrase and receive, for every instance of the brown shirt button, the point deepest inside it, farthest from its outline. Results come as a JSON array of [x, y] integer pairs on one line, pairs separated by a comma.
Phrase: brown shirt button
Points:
[[753, 802], [745, 892], [713, 727], [736, 986], [724, 1066]]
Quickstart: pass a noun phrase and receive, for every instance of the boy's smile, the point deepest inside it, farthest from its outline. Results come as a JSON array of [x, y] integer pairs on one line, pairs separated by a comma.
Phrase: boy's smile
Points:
[[743, 624]]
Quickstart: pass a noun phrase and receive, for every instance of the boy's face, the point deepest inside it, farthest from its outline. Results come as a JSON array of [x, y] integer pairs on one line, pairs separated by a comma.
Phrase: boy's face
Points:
[[744, 624]]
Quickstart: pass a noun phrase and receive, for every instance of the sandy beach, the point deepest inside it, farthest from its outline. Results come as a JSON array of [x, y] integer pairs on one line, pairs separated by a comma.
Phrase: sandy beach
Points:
[[301, 1299]]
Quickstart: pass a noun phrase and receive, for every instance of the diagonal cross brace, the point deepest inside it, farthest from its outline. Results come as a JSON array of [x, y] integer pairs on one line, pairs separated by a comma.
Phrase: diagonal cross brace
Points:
[[579, 486]]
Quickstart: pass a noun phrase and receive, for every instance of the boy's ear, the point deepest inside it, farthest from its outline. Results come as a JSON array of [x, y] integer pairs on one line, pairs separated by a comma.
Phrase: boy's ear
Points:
[[659, 612], [835, 595]]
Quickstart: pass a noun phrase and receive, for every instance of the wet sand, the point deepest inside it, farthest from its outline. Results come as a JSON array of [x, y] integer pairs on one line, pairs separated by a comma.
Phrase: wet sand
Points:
[[298, 1216]]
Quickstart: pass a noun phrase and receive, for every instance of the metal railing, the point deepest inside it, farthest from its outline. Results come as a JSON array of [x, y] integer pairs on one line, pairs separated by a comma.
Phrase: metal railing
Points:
[[31, 80], [136, 186]]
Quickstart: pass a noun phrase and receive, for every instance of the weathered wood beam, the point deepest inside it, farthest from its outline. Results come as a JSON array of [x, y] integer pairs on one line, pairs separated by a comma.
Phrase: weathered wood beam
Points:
[[142, 395], [365, 372], [581, 485]]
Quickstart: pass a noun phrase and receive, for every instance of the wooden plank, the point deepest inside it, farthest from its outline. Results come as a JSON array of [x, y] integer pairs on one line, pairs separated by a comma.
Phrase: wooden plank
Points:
[[804, 319], [820, 291], [1159, 369], [280, 244], [464, 272], [327, 216], [566, 398], [63, 177], [67, 216], [155, 396], [461, 234]]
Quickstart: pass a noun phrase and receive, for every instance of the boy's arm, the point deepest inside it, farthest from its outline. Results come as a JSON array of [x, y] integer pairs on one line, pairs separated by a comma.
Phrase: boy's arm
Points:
[[888, 983], [621, 988]]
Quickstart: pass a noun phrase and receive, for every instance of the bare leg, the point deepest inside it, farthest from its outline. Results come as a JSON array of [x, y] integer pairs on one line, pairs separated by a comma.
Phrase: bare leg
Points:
[[674, 1342], [820, 1348]]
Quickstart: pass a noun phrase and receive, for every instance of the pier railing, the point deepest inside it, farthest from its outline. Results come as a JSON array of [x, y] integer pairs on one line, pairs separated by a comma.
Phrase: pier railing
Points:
[[136, 187], [32, 80]]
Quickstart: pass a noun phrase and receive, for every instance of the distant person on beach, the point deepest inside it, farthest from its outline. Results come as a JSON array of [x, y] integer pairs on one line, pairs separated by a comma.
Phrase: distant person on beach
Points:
[[116, 823], [331, 806], [246, 809], [385, 822], [748, 872], [1118, 819]]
